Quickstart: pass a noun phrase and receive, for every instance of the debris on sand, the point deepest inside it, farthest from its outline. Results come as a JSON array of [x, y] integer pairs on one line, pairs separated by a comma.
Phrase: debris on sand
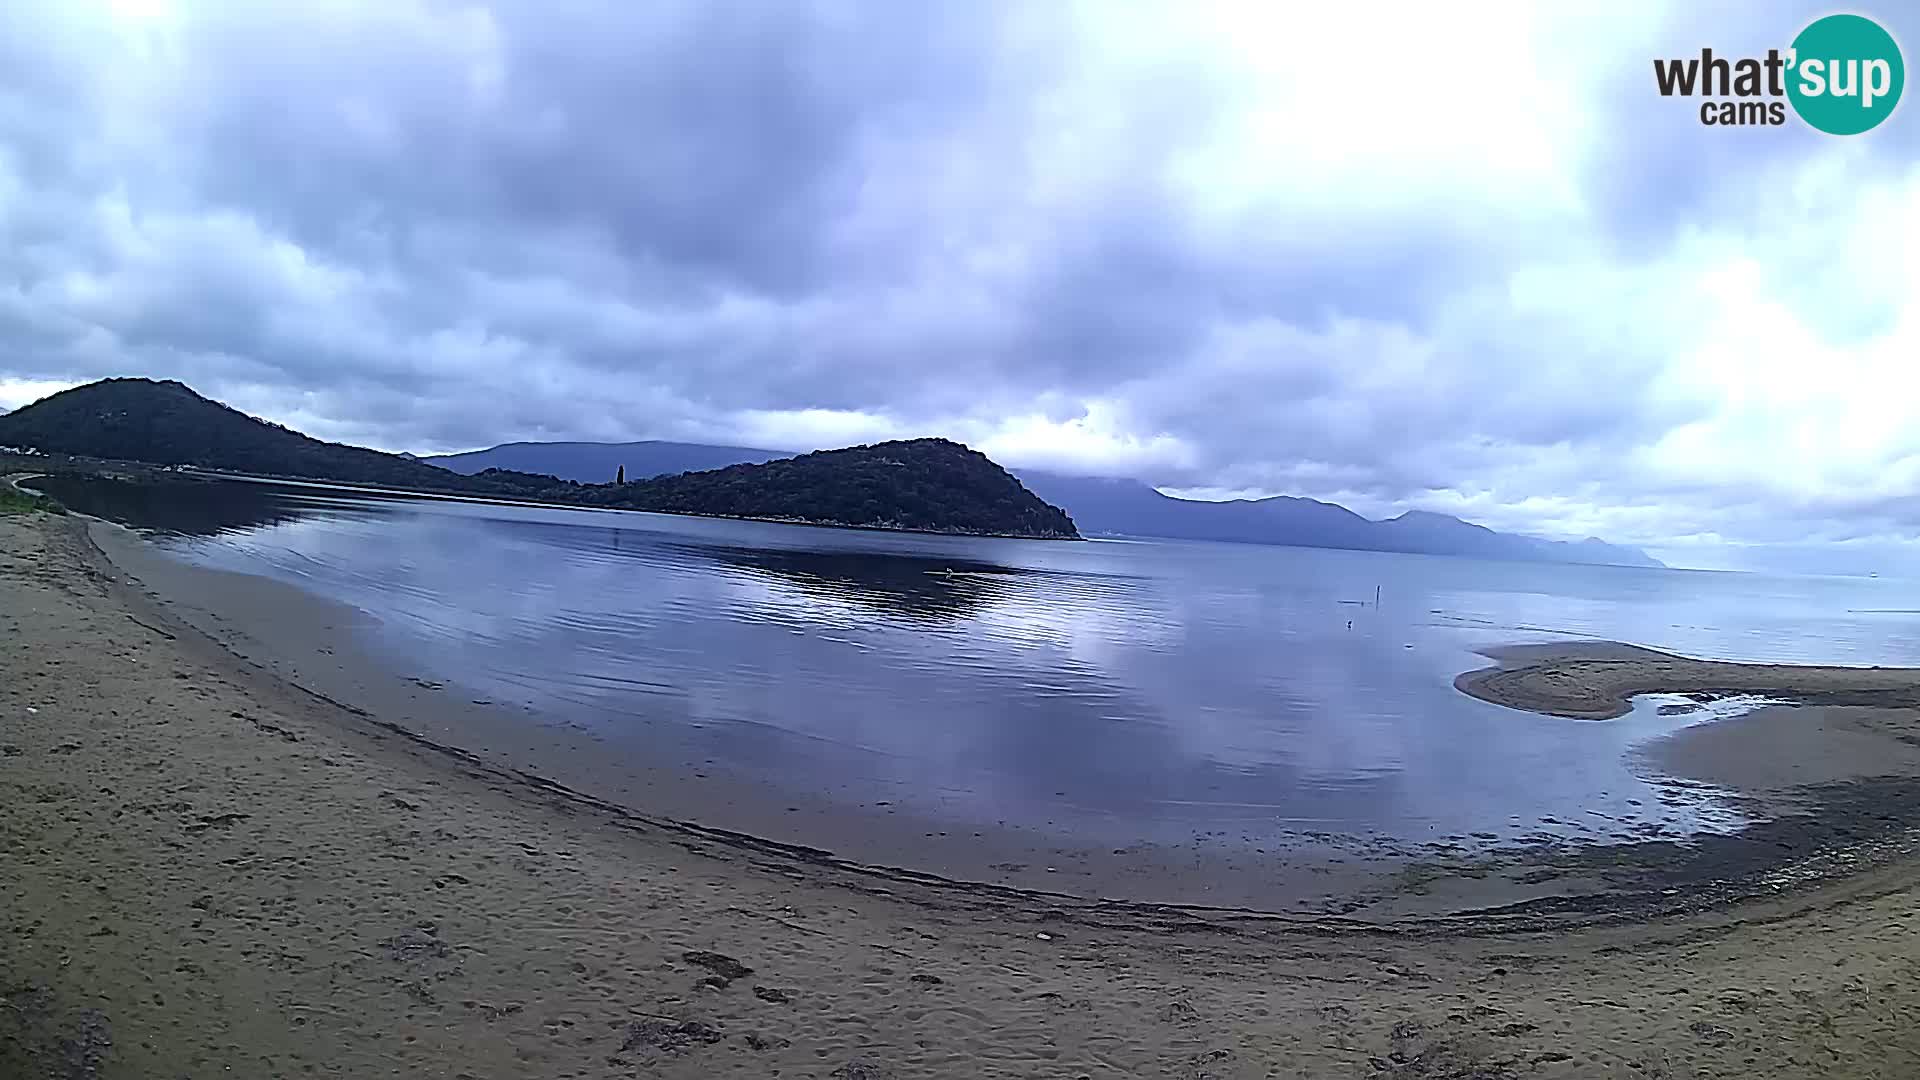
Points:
[[725, 968], [661, 1033], [414, 944]]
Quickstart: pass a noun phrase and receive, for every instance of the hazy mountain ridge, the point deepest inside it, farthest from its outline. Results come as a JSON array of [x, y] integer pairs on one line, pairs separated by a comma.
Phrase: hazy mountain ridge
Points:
[[581, 461], [1120, 507]]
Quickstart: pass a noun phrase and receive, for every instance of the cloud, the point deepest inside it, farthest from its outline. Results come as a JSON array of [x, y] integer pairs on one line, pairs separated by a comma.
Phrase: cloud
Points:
[[1463, 259]]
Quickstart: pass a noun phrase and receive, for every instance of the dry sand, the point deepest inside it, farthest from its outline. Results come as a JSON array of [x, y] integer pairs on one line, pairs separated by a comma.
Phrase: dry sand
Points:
[[209, 872]]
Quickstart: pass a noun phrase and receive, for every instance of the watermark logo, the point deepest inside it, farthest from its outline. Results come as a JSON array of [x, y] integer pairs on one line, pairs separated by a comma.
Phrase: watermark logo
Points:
[[1843, 75]]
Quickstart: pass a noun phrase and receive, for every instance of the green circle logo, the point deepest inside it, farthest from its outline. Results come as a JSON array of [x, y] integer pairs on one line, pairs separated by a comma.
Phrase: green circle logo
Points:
[[1846, 74]]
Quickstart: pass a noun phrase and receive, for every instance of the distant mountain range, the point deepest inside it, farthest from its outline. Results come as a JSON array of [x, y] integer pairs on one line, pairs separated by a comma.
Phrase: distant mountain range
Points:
[[927, 484], [930, 485], [1131, 508], [584, 461], [1104, 506]]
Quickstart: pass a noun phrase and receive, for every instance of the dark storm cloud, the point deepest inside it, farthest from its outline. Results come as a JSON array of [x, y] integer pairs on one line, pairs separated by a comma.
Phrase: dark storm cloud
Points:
[[698, 140], [429, 226]]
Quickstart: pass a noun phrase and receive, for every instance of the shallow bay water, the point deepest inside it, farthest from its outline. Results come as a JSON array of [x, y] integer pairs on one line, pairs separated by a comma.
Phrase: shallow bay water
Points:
[[1103, 693]]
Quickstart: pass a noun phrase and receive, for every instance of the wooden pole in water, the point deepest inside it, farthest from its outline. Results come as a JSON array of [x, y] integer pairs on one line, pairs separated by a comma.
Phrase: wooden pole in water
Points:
[[1376, 597]]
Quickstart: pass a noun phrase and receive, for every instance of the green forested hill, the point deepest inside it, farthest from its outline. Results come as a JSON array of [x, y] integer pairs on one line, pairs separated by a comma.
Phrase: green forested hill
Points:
[[165, 423], [927, 484]]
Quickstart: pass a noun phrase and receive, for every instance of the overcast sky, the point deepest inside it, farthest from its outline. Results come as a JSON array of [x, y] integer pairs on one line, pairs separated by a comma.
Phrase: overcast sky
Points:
[[1460, 257]]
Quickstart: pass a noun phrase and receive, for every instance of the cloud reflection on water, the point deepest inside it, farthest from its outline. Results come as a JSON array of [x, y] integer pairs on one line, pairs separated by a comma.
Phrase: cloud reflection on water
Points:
[[1138, 690]]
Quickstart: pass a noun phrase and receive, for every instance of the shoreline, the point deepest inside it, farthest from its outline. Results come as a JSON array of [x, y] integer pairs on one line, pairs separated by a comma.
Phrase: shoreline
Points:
[[323, 648], [194, 473], [173, 909]]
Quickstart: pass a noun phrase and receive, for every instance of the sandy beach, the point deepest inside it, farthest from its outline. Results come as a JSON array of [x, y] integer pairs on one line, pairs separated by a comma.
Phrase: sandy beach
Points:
[[211, 871], [1597, 680]]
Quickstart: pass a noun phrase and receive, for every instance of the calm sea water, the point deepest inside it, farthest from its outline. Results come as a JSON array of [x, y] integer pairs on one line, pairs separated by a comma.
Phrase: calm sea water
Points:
[[1111, 690]]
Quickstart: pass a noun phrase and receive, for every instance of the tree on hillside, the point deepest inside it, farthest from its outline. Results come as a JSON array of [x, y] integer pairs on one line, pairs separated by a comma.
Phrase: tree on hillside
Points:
[[620, 475]]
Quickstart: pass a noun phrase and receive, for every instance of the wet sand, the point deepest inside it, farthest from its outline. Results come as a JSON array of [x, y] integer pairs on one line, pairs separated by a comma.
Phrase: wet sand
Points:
[[213, 872], [1597, 680]]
